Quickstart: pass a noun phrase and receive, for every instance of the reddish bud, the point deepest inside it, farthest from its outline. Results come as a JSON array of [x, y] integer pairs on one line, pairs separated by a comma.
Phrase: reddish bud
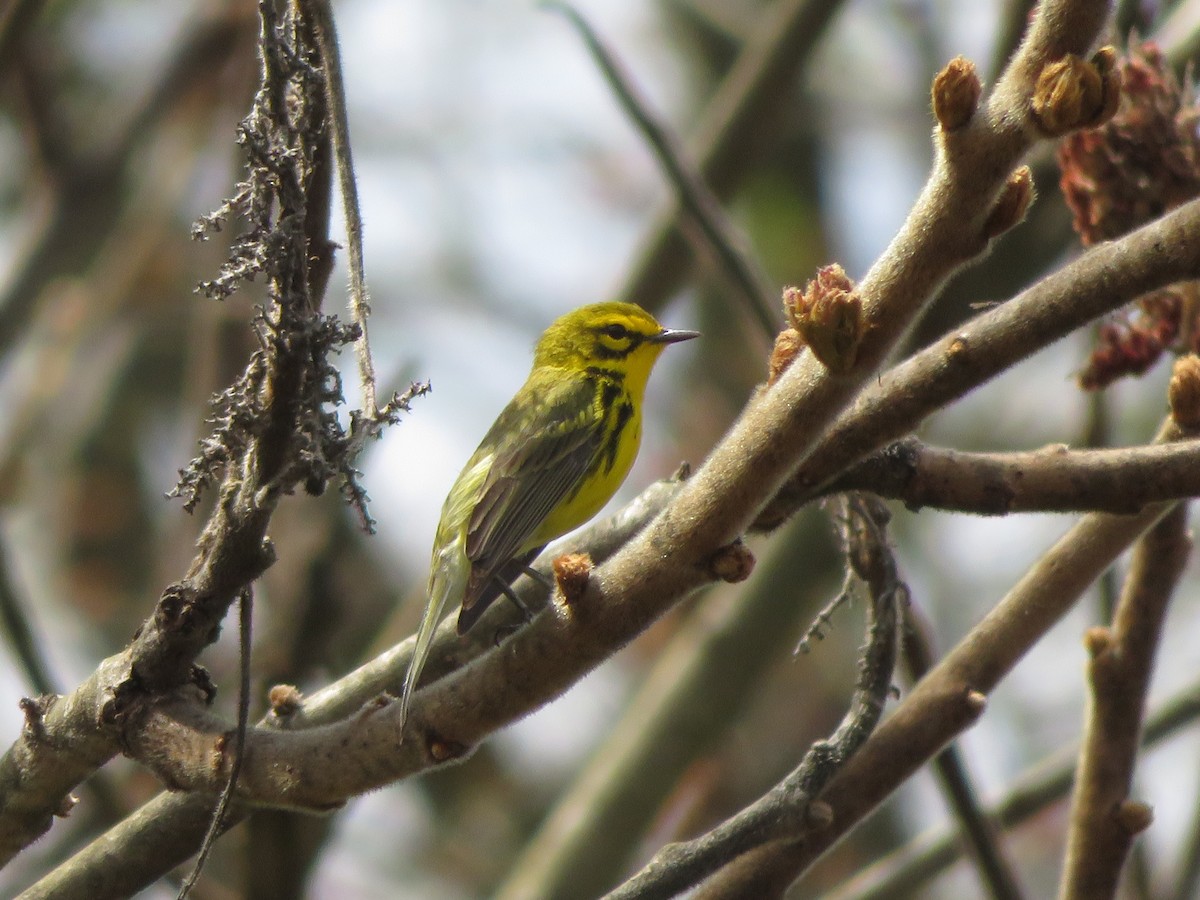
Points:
[[285, 699], [828, 315], [732, 563]]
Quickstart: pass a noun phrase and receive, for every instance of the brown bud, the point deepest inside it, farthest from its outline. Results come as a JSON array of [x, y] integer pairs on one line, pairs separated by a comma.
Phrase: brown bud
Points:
[[1134, 816], [732, 563], [66, 805], [1183, 392], [955, 93], [829, 316], [441, 751], [1012, 204], [285, 699], [788, 345], [1096, 640], [1071, 93], [571, 572], [976, 702]]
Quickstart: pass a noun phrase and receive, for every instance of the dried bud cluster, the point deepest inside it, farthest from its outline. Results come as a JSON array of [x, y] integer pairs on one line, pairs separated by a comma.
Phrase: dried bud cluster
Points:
[[1071, 94], [1142, 163], [828, 316]]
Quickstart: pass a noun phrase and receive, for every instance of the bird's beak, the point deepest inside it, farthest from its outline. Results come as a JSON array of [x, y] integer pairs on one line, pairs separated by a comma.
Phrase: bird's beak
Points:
[[673, 336]]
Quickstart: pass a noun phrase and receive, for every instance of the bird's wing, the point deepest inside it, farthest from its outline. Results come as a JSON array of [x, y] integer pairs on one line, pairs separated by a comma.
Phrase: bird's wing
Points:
[[533, 470]]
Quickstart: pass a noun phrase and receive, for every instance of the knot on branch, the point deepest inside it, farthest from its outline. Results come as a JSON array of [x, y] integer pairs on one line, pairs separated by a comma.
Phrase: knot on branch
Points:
[[955, 94], [1072, 93], [1134, 816], [34, 709], [732, 563], [828, 316], [181, 610]]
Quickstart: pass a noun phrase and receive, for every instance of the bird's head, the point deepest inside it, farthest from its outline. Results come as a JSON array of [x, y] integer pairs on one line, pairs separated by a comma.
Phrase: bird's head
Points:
[[616, 337]]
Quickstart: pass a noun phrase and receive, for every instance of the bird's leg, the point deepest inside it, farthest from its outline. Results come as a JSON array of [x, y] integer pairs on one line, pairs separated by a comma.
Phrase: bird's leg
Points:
[[544, 580], [526, 614], [507, 591]]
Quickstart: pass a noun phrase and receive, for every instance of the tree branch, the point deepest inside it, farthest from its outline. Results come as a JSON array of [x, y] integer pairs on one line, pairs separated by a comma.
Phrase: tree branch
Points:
[[906, 870], [791, 808], [1104, 821], [1050, 479], [954, 693]]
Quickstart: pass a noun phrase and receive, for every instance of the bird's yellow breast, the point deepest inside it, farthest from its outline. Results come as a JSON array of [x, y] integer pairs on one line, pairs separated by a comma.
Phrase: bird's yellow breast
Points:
[[623, 431]]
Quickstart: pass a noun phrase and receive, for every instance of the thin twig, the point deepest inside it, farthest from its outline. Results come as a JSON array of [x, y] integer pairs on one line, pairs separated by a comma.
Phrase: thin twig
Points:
[[20, 632], [339, 125], [216, 826], [718, 232]]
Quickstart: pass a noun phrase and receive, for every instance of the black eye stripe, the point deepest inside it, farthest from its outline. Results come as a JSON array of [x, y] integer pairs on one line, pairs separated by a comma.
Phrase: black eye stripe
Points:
[[616, 331]]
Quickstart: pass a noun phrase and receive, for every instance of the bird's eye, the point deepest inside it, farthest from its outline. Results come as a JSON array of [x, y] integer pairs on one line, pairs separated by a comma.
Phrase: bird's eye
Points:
[[615, 331]]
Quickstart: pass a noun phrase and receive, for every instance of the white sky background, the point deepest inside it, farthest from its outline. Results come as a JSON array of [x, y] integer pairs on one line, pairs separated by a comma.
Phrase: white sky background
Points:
[[494, 163]]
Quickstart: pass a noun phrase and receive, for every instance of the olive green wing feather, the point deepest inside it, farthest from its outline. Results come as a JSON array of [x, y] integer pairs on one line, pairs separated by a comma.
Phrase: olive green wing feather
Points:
[[547, 444]]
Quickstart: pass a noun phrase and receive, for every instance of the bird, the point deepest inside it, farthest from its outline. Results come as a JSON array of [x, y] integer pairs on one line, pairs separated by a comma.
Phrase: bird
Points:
[[554, 456]]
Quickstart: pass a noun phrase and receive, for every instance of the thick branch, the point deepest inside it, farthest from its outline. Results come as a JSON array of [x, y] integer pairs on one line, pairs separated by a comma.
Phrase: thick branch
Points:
[[168, 829], [1051, 479]]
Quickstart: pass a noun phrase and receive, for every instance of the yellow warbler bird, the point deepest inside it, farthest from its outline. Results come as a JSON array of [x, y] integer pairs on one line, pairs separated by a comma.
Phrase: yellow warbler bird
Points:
[[552, 459]]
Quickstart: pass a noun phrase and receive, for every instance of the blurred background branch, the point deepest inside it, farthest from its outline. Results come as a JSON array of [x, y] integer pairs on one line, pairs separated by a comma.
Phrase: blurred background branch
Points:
[[501, 186]]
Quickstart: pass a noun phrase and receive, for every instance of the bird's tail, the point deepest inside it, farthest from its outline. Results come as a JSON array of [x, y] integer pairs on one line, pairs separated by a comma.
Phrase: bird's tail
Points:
[[446, 580]]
